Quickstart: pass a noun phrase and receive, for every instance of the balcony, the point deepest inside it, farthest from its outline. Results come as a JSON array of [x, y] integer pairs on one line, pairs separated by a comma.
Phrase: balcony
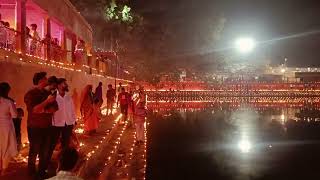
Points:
[[51, 33]]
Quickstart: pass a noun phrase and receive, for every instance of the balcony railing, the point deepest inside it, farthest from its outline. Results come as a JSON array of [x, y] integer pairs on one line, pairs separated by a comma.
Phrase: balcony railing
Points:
[[48, 52]]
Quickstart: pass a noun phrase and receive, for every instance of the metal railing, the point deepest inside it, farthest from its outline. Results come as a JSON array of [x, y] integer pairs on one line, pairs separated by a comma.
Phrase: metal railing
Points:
[[7, 37], [49, 52]]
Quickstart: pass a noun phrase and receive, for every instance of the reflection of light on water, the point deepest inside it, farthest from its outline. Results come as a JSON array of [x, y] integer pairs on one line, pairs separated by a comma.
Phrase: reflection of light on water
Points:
[[244, 146]]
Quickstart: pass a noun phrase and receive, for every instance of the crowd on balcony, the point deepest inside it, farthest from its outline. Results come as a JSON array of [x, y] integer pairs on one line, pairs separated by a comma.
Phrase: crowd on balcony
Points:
[[34, 44], [47, 46], [7, 35]]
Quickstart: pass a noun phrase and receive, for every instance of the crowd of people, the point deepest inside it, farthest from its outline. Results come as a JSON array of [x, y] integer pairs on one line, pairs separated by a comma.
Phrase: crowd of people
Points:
[[42, 47], [52, 118], [7, 35], [34, 44]]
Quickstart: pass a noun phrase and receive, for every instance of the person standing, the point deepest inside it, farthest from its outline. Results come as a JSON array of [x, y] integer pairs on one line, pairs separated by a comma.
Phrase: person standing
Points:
[[17, 127], [131, 111], [111, 95], [40, 106], [79, 53], [120, 87], [87, 110], [64, 119], [142, 96], [35, 38], [27, 40], [20, 113], [8, 144], [139, 120], [98, 94], [124, 100]]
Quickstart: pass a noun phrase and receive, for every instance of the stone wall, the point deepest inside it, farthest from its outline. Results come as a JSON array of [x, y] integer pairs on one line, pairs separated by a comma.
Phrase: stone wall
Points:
[[19, 75]]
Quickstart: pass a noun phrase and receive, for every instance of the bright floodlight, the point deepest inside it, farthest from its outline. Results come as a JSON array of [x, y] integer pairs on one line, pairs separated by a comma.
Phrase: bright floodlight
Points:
[[244, 146], [245, 45]]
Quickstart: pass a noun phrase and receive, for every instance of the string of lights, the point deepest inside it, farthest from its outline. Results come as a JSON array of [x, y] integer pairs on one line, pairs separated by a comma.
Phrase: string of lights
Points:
[[111, 155], [56, 64]]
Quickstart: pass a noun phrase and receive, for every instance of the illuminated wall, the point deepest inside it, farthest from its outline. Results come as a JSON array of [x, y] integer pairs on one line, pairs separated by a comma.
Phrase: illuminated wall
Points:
[[56, 30], [7, 12], [19, 75]]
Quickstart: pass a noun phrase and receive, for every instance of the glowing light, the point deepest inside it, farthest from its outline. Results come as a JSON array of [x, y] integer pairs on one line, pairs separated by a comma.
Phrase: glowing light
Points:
[[79, 130], [245, 45], [104, 111], [244, 146]]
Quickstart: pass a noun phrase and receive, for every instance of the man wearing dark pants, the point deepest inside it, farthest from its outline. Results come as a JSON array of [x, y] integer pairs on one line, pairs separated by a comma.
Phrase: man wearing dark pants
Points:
[[63, 119], [111, 94], [124, 100], [40, 106]]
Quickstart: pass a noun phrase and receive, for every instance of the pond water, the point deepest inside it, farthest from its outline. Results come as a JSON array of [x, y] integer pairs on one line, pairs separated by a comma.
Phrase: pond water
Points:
[[233, 142]]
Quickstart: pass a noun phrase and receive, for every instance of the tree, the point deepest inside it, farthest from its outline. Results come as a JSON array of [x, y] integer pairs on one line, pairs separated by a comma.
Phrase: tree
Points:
[[148, 46]]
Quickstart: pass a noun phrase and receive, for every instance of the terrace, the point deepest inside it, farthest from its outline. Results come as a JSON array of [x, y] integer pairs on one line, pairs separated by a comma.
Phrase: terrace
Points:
[[62, 38]]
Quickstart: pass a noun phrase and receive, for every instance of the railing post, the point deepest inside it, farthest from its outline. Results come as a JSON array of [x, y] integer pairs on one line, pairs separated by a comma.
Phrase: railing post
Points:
[[21, 26], [63, 47], [47, 28]]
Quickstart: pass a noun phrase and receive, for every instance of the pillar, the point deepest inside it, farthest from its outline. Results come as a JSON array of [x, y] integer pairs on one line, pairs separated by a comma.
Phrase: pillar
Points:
[[105, 68], [47, 31], [74, 43], [21, 26], [63, 46]]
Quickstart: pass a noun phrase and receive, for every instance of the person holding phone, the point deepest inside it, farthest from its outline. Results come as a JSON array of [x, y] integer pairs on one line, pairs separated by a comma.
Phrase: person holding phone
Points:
[[41, 105]]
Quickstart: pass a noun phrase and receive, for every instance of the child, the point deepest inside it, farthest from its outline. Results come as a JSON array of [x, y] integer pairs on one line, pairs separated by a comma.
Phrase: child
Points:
[[140, 115], [17, 126]]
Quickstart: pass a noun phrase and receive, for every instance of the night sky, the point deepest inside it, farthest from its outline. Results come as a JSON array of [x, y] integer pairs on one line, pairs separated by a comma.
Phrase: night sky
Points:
[[263, 20]]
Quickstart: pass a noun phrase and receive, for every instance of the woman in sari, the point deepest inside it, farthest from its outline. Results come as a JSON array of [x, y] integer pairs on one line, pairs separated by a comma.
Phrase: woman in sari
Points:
[[87, 110], [8, 143]]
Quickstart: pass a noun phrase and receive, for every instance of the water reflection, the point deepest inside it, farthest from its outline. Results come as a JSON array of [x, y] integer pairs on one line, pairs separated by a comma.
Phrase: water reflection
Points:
[[227, 141]]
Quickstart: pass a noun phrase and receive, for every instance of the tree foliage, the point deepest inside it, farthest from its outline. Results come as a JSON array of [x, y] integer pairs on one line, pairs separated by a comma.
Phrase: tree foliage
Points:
[[147, 47], [115, 12]]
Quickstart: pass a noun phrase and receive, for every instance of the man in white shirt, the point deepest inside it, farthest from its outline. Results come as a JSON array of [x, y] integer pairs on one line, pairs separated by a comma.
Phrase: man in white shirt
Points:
[[65, 118]]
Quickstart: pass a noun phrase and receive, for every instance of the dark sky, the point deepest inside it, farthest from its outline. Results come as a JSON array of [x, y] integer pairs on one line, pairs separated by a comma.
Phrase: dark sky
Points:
[[192, 24], [262, 19]]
